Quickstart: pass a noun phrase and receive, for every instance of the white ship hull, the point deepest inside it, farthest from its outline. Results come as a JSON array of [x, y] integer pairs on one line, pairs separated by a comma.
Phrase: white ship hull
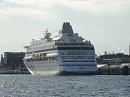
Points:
[[53, 67], [67, 53], [43, 68]]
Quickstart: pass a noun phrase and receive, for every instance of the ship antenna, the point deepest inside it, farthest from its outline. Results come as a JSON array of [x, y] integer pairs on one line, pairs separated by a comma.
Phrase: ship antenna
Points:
[[46, 31]]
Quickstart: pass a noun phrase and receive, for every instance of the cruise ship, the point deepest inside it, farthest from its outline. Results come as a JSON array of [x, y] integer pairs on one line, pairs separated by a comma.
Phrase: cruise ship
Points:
[[66, 53]]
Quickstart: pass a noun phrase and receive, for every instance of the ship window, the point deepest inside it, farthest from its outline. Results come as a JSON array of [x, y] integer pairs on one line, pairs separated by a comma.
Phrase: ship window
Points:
[[78, 61], [75, 48], [70, 34]]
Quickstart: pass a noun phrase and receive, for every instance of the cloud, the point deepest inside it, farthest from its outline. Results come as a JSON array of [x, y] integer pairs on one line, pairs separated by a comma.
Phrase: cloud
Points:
[[47, 9], [25, 8], [97, 7], [2, 40], [1, 1]]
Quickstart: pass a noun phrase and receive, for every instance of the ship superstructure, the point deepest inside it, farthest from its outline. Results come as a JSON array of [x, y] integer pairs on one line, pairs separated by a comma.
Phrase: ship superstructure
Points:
[[65, 53]]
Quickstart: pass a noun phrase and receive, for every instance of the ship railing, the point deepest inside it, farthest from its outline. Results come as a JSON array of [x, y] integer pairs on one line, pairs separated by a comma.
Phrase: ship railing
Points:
[[76, 55], [79, 61], [91, 59], [72, 44], [78, 65]]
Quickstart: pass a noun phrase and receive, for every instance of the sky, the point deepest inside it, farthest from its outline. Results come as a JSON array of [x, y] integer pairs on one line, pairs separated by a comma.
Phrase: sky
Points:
[[106, 23]]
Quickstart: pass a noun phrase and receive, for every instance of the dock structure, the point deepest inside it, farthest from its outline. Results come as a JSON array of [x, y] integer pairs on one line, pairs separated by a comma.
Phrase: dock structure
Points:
[[114, 67], [113, 63], [3, 71]]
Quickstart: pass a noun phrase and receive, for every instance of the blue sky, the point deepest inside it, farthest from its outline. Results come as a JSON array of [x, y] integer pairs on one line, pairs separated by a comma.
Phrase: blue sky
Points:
[[104, 22]]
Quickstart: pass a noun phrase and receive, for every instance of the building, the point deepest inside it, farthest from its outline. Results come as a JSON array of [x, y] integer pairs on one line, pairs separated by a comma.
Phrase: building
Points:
[[12, 60], [113, 58]]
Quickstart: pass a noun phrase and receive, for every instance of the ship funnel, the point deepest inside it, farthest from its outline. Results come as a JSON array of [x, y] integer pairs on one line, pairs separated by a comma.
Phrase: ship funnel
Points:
[[66, 28]]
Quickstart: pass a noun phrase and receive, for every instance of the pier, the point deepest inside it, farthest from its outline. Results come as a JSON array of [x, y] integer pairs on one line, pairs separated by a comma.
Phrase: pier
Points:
[[13, 72], [115, 66]]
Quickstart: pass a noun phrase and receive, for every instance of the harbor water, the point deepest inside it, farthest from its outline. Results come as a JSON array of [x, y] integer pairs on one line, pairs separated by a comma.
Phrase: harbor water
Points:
[[26, 85]]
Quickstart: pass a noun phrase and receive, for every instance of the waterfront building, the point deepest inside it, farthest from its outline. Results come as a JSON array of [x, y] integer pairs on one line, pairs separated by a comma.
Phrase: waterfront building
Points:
[[12, 60], [113, 58]]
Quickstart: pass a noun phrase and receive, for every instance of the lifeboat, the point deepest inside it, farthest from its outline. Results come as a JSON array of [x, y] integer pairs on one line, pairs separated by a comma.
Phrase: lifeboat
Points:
[[39, 56], [43, 55]]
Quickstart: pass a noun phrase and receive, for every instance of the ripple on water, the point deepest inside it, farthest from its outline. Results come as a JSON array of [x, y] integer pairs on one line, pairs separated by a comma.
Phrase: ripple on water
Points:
[[64, 86]]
